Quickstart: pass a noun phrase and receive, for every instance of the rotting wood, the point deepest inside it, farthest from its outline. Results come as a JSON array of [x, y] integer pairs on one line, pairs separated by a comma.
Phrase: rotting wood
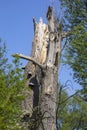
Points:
[[41, 73]]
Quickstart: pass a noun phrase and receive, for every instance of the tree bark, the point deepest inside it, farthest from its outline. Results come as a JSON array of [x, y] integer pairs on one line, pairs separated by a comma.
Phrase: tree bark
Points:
[[50, 79], [35, 68], [41, 74]]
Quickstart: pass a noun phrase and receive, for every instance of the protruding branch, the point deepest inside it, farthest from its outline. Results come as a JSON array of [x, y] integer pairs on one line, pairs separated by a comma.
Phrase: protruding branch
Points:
[[28, 58], [65, 34]]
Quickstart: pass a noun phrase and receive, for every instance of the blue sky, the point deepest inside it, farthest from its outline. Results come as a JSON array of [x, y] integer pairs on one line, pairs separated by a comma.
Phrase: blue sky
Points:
[[16, 28]]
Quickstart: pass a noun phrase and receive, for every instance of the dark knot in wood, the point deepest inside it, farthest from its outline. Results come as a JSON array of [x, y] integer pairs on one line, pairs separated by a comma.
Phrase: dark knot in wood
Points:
[[52, 36]]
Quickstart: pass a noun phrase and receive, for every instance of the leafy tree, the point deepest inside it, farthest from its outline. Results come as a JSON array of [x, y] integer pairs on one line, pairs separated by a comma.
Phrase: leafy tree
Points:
[[71, 111], [75, 21], [11, 86]]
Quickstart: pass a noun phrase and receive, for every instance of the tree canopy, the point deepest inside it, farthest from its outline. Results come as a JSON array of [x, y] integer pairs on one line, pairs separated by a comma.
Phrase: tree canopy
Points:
[[71, 111], [75, 21]]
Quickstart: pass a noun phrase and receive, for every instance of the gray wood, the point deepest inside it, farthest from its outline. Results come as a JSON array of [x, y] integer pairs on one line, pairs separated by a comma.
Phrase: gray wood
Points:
[[41, 73]]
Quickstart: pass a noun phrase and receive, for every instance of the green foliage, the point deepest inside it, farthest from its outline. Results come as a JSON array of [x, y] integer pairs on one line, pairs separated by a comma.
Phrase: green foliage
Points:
[[71, 111], [11, 86], [76, 54], [75, 13], [3, 59], [75, 21]]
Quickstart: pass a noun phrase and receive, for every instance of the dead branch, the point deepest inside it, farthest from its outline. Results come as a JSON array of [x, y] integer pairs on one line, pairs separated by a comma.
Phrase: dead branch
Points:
[[30, 59], [64, 45], [65, 34]]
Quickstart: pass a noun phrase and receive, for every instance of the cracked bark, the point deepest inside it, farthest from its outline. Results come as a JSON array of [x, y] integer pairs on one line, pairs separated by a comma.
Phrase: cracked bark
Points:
[[50, 80], [42, 72]]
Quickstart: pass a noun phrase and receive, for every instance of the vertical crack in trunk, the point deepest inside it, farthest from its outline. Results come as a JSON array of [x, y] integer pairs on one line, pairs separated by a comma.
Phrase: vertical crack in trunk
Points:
[[40, 100]]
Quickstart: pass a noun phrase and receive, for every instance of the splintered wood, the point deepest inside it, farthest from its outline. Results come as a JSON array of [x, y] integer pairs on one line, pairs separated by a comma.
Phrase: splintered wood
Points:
[[41, 39], [41, 75]]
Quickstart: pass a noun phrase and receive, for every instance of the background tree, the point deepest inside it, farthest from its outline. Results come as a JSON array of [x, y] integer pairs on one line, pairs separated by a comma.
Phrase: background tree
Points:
[[11, 85], [75, 21], [71, 111]]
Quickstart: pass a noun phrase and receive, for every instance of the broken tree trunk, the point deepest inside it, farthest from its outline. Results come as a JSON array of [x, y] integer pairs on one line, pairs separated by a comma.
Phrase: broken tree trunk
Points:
[[50, 79], [41, 75], [34, 72]]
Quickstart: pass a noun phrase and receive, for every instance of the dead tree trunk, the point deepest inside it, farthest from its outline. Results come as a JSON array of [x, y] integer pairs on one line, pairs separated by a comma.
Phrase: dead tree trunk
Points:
[[50, 79], [34, 73], [41, 75]]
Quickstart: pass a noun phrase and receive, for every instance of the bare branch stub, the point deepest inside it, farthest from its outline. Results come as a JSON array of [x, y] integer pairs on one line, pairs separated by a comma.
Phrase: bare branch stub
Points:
[[35, 23], [65, 34], [49, 12], [29, 58]]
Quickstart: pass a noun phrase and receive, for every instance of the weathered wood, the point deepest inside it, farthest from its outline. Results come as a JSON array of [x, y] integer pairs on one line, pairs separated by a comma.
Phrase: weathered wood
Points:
[[50, 79], [30, 59], [35, 66], [41, 73]]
